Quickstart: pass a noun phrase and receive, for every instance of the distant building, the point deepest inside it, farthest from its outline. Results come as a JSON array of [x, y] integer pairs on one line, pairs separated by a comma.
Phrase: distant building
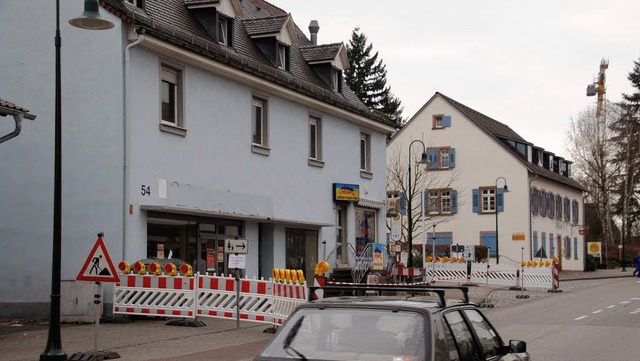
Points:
[[188, 123], [471, 158]]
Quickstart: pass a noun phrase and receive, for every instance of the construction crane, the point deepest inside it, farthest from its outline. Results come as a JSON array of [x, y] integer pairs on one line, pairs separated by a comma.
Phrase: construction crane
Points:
[[598, 87]]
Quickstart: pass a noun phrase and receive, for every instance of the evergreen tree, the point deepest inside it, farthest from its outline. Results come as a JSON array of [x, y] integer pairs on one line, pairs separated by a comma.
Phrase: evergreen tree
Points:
[[367, 77], [626, 137]]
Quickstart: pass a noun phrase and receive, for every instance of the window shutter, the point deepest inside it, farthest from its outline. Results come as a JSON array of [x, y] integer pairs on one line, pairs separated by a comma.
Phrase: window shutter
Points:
[[489, 240], [548, 195], [476, 200], [531, 195], [454, 201], [445, 238], [575, 248], [452, 157], [433, 158], [551, 247], [500, 199], [544, 240], [540, 197], [535, 243], [446, 121]]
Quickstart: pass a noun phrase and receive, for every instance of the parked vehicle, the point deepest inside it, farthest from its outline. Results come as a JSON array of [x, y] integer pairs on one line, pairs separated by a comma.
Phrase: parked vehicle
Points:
[[390, 323]]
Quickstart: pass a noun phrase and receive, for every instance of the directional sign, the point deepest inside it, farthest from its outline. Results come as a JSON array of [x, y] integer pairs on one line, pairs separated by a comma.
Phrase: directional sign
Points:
[[236, 246], [98, 267]]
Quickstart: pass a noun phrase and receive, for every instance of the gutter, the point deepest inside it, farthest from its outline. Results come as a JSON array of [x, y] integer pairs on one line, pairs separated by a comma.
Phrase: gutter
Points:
[[127, 208]]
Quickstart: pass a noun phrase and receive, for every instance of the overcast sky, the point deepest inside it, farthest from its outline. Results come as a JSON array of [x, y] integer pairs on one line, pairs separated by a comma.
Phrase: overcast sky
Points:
[[525, 64]]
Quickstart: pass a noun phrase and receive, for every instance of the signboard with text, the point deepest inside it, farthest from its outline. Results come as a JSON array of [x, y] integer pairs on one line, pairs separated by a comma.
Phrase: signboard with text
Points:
[[346, 192]]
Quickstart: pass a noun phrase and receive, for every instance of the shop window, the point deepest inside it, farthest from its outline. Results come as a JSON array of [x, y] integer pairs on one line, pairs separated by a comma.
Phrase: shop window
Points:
[[365, 228]]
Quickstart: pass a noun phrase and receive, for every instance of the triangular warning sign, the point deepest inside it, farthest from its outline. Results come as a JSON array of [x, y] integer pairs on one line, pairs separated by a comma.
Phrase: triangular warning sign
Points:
[[98, 267]]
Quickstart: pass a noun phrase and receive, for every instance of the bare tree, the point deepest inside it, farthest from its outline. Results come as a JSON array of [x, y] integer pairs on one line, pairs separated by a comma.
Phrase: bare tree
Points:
[[593, 152], [421, 180]]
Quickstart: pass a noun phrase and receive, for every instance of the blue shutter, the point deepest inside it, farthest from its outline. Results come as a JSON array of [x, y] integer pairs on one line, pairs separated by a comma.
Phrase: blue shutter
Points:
[[452, 157], [551, 247], [454, 201], [446, 121], [500, 199], [575, 248], [445, 238], [433, 158], [540, 195], [476, 200], [544, 240], [531, 198], [548, 196], [489, 240], [535, 243]]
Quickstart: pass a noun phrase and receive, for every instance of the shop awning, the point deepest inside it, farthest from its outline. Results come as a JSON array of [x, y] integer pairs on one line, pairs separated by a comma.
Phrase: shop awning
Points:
[[370, 204]]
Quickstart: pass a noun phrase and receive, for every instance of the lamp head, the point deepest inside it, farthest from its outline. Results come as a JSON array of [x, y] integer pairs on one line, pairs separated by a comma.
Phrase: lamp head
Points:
[[505, 188], [424, 159], [90, 18]]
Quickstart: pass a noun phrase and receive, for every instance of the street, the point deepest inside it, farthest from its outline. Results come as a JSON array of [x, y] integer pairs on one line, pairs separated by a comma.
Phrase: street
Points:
[[593, 323]]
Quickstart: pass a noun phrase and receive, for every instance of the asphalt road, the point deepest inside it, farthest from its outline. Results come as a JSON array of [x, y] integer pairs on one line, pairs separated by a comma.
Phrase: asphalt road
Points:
[[600, 322]]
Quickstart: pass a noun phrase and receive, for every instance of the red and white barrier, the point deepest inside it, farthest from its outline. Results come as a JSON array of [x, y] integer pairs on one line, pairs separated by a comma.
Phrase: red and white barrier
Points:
[[155, 296], [218, 297], [286, 297]]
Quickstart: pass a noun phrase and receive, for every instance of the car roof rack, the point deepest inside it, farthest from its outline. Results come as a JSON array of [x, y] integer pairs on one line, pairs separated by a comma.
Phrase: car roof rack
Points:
[[409, 288]]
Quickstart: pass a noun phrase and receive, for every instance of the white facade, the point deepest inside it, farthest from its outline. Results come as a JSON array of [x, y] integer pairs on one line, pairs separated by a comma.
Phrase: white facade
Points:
[[146, 184], [482, 161]]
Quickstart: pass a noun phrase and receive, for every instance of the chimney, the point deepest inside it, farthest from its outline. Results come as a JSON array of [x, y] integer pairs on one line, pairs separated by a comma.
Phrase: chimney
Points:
[[314, 27]]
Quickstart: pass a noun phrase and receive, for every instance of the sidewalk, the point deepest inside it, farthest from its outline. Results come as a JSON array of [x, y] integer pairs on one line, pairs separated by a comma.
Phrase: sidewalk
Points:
[[153, 340]]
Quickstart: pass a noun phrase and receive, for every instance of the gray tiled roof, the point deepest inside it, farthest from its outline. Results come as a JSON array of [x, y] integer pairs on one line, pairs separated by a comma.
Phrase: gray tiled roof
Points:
[[316, 53], [171, 21], [263, 26], [501, 131], [200, 2]]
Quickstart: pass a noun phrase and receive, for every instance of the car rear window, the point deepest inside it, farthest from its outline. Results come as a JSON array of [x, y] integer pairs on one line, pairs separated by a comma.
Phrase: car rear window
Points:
[[352, 334]]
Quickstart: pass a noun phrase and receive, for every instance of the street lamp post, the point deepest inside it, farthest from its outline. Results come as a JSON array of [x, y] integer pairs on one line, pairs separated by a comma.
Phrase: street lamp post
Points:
[[90, 19], [423, 160], [505, 189]]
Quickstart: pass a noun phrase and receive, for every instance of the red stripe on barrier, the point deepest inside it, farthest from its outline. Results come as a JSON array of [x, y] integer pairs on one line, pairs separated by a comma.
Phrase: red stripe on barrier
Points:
[[161, 312], [117, 309], [200, 281], [213, 313], [191, 283], [177, 283], [162, 282], [244, 317], [228, 314], [129, 310], [246, 286], [175, 313], [145, 310], [259, 318], [131, 281], [262, 288], [146, 282], [229, 286], [190, 313], [214, 284]]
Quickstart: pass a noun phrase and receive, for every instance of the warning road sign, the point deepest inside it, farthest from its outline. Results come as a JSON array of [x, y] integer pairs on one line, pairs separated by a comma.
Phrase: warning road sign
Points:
[[98, 267]]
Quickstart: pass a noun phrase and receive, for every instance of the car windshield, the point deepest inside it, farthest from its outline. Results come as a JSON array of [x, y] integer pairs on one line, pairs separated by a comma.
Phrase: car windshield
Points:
[[350, 334]]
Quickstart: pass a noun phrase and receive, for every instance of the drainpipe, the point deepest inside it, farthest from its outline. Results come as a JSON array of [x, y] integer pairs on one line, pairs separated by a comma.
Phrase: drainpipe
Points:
[[531, 250], [126, 208]]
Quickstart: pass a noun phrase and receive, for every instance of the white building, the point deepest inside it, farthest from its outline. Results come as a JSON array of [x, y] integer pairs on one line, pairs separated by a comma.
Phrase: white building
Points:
[[471, 159], [188, 123]]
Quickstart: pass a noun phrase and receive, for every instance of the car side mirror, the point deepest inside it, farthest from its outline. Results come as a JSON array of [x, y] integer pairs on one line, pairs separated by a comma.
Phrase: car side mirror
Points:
[[517, 346]]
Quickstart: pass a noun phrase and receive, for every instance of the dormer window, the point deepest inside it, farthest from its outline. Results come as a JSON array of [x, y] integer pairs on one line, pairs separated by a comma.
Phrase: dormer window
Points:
[[136, 3]]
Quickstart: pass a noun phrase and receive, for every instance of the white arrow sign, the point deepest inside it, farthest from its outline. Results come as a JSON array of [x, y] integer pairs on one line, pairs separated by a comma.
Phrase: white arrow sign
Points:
[[236, 246]]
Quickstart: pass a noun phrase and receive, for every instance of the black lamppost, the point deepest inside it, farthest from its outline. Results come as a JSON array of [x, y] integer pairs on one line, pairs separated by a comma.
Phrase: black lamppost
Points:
[[423, 160], [505, 189], [90, 19]]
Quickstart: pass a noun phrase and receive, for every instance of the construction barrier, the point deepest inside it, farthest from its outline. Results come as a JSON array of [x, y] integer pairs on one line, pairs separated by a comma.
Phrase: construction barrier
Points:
[[167, 295], [538, 276]]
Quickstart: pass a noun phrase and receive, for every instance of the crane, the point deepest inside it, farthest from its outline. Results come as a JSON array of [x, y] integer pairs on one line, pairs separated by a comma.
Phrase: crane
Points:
[[598, 87]]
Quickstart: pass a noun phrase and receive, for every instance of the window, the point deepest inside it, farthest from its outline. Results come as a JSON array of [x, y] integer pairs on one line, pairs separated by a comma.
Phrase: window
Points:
[[567, 209], [283, 56], [137, 3], [552, 249], [315, 140], [575, 248], [544, 207], [488, 337], [441, 201], [567, 247], [551, 206], [365, 153], [488, 200], [365, 228], [543, 240], [260, 125], [536, 250], [441, 121], [439, 238], [336, 80], [441, 158], [223, 34], [170, 97], [535, 202], [559, 214], [465, 343], [574, 211]]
